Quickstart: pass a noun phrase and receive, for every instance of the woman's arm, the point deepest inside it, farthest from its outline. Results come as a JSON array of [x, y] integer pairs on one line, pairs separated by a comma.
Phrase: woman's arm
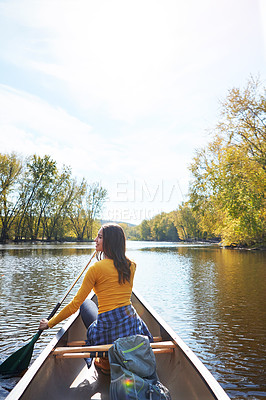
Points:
[[85, 289]]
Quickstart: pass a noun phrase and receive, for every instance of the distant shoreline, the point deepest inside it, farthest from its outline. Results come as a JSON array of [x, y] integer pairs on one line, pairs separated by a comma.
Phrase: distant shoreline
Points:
[[233, 246]]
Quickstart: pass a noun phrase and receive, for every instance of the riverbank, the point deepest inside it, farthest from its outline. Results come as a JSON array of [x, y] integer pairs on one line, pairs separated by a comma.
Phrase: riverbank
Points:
[[260, 247]]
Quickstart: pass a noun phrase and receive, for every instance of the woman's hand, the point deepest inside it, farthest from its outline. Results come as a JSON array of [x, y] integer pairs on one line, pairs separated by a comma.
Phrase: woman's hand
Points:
[[43, 324]]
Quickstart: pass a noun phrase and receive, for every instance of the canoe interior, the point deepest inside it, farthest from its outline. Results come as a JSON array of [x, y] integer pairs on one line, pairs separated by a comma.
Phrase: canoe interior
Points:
[[53, 378]]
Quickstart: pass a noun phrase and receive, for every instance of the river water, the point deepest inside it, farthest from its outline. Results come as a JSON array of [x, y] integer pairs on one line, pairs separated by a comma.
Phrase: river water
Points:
[[213, 298]]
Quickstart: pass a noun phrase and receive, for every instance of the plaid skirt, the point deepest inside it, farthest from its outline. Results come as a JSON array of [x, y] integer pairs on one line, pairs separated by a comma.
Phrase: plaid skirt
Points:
[[114, 324]]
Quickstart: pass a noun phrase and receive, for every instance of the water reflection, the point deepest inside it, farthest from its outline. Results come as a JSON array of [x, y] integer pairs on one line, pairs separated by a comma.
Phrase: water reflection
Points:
[[213, 298], [229, 313], [216, 302]]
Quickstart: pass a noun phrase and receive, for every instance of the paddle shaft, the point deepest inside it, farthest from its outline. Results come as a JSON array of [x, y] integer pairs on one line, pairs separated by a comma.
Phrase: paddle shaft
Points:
[[58, 305]]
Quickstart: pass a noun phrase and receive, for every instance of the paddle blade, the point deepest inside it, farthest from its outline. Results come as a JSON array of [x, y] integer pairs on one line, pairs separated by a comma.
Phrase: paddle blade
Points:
[[20, 360]]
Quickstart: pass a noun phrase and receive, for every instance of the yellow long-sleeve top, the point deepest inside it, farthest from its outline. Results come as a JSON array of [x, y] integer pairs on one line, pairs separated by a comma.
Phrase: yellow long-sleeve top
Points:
[[102, 278]]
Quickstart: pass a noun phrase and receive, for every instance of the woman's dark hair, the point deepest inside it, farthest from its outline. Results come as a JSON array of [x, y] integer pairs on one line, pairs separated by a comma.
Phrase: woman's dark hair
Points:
[[114, 247]]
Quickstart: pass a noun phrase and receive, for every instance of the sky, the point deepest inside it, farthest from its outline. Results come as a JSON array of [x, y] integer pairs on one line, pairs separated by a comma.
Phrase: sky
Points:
[[124, 92]]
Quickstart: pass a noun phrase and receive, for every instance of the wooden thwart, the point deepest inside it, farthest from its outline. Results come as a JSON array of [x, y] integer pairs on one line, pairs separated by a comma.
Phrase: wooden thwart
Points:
[[82, 342], [104, 354], [89, 351]]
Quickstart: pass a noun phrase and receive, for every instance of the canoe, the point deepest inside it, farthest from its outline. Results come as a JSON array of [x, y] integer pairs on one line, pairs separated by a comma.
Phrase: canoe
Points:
[[52, 377]]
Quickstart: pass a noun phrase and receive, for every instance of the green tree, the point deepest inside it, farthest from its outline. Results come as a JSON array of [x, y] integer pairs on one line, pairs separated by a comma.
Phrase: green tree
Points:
[[40, 202], [96, 196], [86, 208], [161, 227], [38, 175], [186, 224], [145, 230], [10, 170], [56, 216]]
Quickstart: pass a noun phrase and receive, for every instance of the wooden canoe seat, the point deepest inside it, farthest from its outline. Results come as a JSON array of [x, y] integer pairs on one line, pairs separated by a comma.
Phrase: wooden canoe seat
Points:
[[102, 350]]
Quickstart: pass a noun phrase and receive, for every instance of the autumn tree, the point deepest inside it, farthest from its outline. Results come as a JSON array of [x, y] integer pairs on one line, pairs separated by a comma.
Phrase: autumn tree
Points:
[[243, 121], [229, 176]]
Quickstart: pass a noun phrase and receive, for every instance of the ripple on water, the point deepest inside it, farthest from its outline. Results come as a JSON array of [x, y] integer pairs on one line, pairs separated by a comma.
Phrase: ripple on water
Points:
[[214, 300]]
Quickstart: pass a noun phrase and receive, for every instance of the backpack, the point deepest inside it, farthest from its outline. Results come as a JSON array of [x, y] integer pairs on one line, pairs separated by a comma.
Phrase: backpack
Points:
[[133, 371]]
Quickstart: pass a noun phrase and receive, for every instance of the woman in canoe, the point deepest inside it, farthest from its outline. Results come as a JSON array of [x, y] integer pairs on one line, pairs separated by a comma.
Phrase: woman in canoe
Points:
[[111, 278]]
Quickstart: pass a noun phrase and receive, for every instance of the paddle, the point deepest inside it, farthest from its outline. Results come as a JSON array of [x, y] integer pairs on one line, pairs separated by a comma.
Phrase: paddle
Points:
[[19, 361]]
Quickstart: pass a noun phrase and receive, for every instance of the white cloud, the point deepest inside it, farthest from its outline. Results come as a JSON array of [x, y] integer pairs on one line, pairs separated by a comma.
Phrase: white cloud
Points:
[[133, 59], [37, 127], [124, 91], [30, 125]]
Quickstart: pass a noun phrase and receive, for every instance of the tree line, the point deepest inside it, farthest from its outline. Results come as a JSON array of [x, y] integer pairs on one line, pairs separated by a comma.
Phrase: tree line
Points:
[[225, 201], [226, 198], [178, 225], [39, 201]]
